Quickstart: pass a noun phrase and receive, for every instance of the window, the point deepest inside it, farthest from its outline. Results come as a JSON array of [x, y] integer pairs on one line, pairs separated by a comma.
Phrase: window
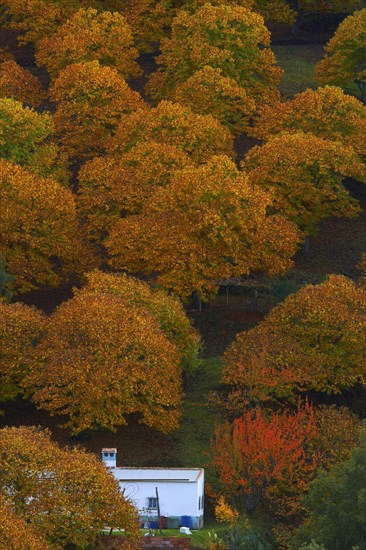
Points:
[[152, 503], [199, 503]]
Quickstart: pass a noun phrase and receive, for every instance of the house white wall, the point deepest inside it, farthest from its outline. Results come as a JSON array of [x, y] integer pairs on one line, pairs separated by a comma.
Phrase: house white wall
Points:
[[175, 498], [180, 491]]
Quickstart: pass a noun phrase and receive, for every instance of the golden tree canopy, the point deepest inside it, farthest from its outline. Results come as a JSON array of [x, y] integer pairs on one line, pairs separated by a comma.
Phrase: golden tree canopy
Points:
[[91, 102], [101, 360], [21, 328], [226, 37], [314, 340], [345, 59], [66, 495], [87, 36], [200, 136], [208, 224], [166, 310], [306, 174], [327, 112], [40, 238]]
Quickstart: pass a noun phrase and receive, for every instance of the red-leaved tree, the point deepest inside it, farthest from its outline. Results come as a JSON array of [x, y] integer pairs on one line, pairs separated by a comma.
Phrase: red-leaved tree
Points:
[[260, 457]]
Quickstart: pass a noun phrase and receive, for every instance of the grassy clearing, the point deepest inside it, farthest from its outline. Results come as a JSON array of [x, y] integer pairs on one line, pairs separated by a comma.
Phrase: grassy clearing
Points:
[[298, 62], [198, 421]]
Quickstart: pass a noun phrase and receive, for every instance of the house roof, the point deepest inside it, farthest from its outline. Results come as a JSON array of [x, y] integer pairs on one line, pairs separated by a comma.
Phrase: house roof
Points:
[[157, 474]]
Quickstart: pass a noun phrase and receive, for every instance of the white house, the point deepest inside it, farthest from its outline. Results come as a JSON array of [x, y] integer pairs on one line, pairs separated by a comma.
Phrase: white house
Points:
[[178, 492]]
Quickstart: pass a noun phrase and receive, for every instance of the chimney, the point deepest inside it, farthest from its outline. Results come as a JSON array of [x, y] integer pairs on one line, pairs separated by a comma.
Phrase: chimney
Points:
[[109, 457]]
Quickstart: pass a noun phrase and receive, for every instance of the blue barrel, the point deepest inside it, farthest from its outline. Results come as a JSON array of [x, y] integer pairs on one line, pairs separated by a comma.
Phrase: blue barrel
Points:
[[153, 524], [187, 521]]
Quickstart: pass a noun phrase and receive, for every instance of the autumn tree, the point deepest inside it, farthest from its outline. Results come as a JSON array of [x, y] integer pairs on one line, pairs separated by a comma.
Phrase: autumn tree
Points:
[[314, 340], [20, 84], [326, 112], [200, 136], [257, 454], [306, 174], [270, 10], [150, 20], [334, 498], [16, 533], [40, 238], [25, 140], [207, 92], [101, 360], [345, 60], [337, 433], [91, 101], [208, 224], [21, 328], [110, 187], [226, 37], [65, 495], [88, 36], [37, 18], [167, 311]]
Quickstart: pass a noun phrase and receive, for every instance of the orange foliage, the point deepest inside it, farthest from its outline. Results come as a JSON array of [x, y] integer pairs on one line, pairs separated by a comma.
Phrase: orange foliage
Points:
[[101, 360], [91, 101], [207, 92], [20, 84], [259, 457], [314, 340], [40, 238], [166, 310], [149, 20], [208, 224], [38, 18], [88, 36], [200, 136], [16, 533], [66, 495], [325, 112], [20, 329], [109, 187], [306, 176], [226, 37]]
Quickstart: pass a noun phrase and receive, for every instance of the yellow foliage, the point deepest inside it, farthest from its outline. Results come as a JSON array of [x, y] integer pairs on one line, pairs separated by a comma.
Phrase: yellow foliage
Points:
[[207, 92], [20, 329], [16, 533], [101, 360], [305, 174], [326, 112], [111, 187], [208, 224], [88, 36], [91, 101], [166, 310], [225, 513], [226, 37], [200, 136], [40, 238], [65, 496], [344, 61]]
